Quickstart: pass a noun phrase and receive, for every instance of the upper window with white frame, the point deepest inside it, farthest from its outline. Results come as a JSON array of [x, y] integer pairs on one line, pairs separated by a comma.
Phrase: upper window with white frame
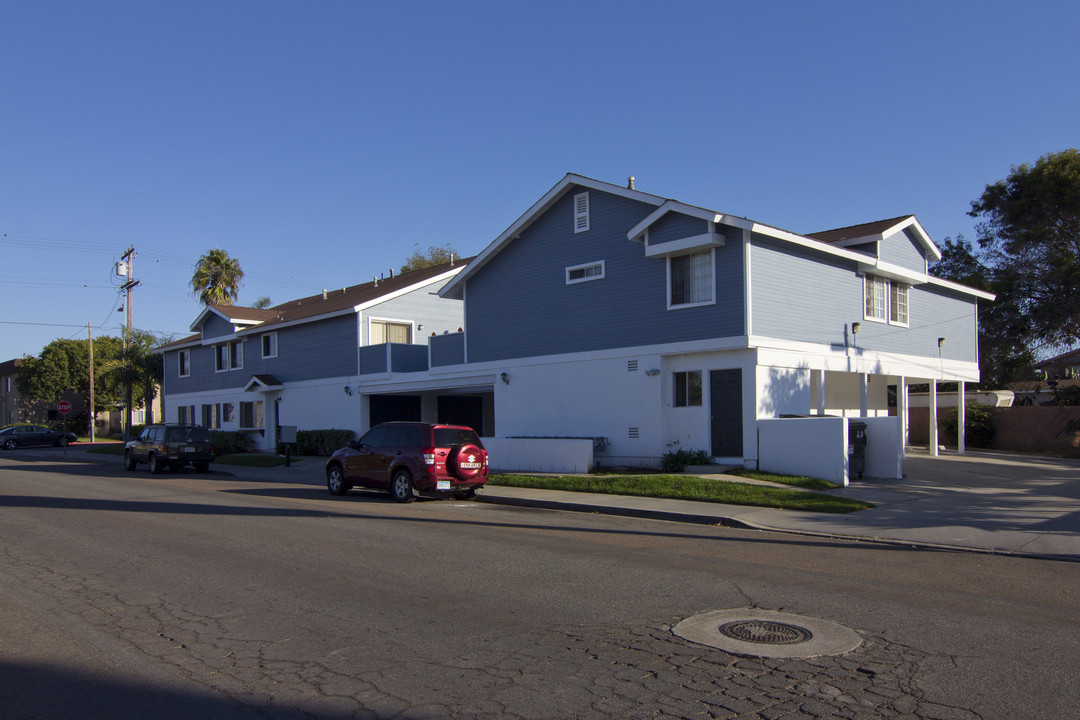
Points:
[[584, 273], [269, 345], [387, 331], [581, 212], [183, 363], [229, 356], [690, 280], [886, 300]]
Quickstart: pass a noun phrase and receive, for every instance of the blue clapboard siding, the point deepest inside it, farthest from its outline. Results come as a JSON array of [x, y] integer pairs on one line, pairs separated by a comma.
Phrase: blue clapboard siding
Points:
[[675, 226], [216, 326], [903, 249], [423, 308], [408, 358], [373, 359], [447, 349], [519, 305], [801, 295], [326, 348]]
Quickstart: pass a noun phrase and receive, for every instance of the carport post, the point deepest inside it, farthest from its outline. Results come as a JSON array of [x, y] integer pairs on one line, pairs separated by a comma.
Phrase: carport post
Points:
[[902, 411], [961, 413], [933, 418]]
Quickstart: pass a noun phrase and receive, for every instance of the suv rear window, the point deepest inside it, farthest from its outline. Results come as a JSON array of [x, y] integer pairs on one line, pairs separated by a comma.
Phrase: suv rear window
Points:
[[452, 437], [189, 434]]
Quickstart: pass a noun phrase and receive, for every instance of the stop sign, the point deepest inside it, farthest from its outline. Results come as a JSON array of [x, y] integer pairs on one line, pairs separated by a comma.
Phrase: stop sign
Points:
[[63, 407]]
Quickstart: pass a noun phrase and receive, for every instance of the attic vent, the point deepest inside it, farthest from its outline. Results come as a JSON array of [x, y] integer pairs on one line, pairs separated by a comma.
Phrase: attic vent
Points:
[[581, 212], [634, 433], [631, 366]]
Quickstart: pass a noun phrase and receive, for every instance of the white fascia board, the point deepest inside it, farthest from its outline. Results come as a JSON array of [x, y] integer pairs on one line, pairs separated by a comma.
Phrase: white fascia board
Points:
[[920, 233], [806, 242], [638, 231], [301, 321], [893, 272], [776, 352], [406, 290], [194, 342], [453, 288], [235, 322], [950, 285], [674, 247]]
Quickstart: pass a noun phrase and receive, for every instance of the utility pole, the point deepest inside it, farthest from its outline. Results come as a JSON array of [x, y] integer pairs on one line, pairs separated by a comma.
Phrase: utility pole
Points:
[[90, 342], [129, 261]]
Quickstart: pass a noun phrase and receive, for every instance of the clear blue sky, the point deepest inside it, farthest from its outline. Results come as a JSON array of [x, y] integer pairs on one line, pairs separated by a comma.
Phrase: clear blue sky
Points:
[[319, 142]]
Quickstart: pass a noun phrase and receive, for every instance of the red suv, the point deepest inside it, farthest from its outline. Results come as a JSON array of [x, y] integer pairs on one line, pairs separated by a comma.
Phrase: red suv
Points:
[[411, 457]]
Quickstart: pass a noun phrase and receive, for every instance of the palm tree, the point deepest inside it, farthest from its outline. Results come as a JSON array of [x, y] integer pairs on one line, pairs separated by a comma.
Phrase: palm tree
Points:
[[217, 278]]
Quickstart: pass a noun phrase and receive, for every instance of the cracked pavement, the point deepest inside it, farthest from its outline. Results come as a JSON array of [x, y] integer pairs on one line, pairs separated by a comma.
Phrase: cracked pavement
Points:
[[255, 603]]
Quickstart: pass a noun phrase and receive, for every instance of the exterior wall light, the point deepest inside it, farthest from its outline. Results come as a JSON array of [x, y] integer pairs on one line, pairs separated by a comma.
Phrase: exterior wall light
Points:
[[348, 391], [941, 342], [855, 328], [505, 378]]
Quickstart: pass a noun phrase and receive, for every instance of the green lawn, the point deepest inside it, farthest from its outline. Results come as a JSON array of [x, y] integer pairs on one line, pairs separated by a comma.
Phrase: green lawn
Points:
[[797, 480], [687, 487]]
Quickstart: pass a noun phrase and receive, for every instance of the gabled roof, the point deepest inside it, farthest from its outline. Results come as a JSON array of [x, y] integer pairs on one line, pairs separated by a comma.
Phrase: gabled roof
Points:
[[262, 382], [327, 303], [877, 231], [832, 242]]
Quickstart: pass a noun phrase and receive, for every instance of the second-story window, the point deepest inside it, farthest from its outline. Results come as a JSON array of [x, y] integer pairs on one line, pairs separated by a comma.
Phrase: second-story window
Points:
[[583, 273], [229, 356], [691, 279], [269, 345], [387, 331], [183, 363]]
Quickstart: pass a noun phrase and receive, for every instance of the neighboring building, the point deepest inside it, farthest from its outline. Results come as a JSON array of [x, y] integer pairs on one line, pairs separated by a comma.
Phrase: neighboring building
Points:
[[634, 323], [9, 394], [299, 363], [1062, 367]]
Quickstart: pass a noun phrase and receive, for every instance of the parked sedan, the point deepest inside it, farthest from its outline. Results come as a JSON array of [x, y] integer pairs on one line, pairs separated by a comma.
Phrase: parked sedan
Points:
[[24, 435]]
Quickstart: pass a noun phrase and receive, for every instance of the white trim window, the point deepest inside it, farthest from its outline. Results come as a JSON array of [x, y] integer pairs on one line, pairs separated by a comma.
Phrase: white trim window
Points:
[[581, 212], [228, 412], [185, 414], [585, 273], [690, 280], [229, 356], [687, 388], [886, 300], [269, 345], [211, 416], [875, 291], [183, 363], [388, 331], [898, 303]]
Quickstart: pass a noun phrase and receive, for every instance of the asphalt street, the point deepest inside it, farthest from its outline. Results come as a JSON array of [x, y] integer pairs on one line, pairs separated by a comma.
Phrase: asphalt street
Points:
[[226, 596]]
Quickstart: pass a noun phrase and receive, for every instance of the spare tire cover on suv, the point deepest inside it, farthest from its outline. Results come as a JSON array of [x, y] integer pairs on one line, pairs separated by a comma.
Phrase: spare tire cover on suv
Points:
[[465, 462]]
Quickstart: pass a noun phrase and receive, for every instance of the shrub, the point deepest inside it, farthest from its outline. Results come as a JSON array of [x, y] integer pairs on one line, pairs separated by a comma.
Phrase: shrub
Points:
[[979, 427], [676, 461], [322, 443], [229, 442]]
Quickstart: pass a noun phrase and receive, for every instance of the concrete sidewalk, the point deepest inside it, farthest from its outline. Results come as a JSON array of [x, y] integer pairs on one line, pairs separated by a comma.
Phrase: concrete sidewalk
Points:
[[996, 502]]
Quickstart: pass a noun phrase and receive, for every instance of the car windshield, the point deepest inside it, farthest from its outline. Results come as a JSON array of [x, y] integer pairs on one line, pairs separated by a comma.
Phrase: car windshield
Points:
[[451, 437], [188, 434]]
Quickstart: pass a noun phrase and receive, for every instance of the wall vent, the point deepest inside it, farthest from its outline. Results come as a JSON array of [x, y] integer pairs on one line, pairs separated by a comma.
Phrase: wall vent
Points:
[[634, 433], [631, 366]]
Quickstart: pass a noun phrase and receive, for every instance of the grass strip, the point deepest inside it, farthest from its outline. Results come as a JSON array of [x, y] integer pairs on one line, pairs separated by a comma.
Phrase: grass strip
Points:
[[796, 480], [687, 487]]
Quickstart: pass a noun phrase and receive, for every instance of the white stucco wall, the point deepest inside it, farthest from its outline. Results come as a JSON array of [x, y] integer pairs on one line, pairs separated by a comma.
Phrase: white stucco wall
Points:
[[588, 398], [549, 455], [815, 447], [782, 391], [883, 457]]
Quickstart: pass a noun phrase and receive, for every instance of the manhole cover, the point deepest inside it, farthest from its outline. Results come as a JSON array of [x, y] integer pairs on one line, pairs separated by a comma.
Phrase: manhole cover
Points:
[[766, 632], [754, 632]]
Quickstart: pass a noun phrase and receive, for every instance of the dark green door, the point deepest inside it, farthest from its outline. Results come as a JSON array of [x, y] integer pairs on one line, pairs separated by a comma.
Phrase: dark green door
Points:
[[725, 404]]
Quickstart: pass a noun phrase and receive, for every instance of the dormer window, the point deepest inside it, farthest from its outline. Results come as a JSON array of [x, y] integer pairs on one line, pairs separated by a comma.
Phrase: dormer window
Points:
[[581, 212]]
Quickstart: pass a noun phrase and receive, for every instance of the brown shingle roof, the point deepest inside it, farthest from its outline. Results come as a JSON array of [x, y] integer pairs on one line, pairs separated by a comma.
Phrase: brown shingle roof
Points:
[[856, 231]]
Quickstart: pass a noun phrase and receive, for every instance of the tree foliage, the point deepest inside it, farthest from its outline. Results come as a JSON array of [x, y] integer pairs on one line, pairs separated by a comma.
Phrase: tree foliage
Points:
[[434, 255], [217, 278], [1029, 231]]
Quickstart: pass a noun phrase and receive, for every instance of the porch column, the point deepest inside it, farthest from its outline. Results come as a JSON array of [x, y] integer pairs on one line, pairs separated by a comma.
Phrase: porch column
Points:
[[933, 419], [864, 394], [902, 412], [961, 412]]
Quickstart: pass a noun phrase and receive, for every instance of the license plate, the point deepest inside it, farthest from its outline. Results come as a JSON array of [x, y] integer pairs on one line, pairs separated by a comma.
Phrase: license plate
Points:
[[442, 484], [189, 449]]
